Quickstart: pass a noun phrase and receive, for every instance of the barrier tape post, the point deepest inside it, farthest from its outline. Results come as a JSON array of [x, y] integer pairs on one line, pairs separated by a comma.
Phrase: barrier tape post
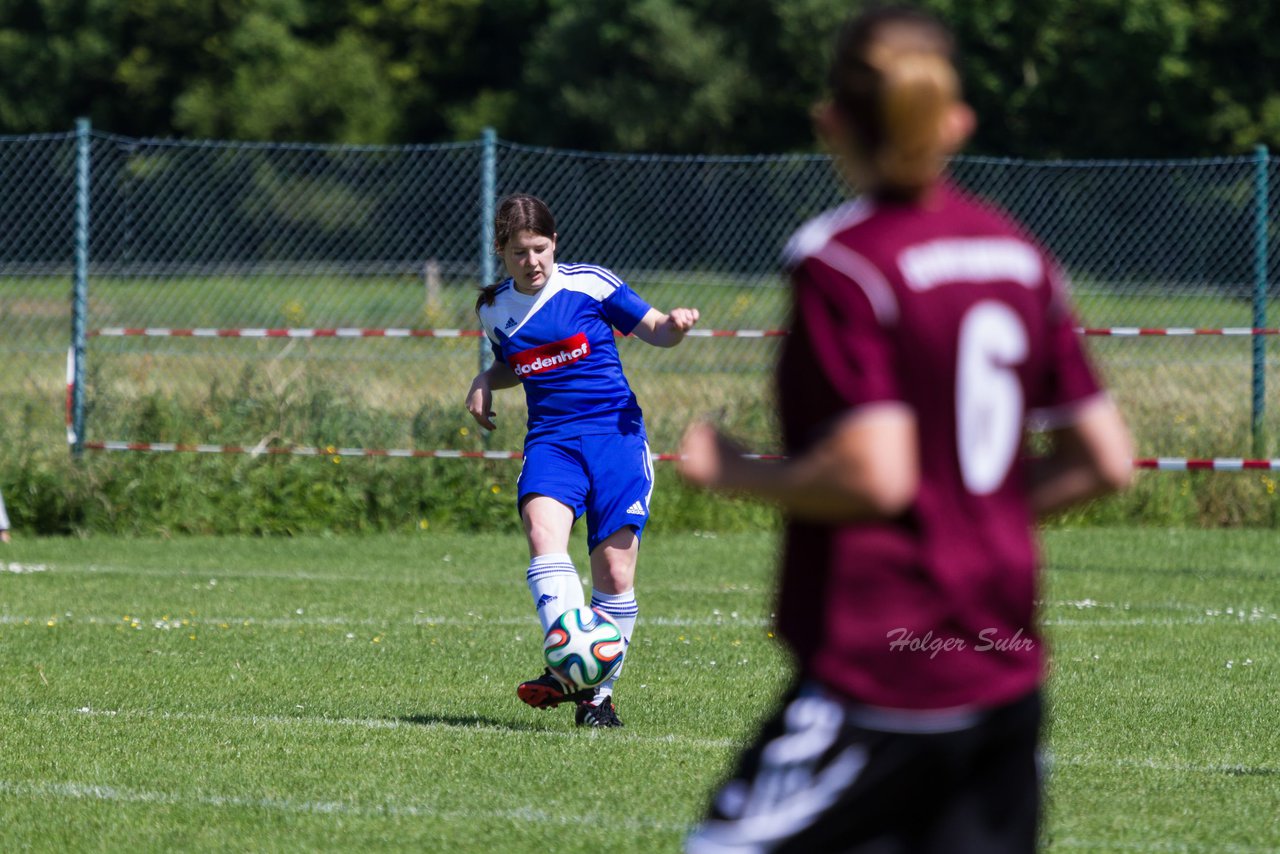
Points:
[[79, 294], [1260, 261]]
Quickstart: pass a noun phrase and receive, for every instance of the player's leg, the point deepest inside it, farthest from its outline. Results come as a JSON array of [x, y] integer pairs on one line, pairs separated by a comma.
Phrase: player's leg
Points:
[[551, 490], [996, 805], [553, 581], [613, 573], [818, 779], [617, 510]]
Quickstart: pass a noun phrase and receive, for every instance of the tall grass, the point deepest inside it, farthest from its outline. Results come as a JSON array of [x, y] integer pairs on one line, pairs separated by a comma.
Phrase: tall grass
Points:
[[1182, 397]]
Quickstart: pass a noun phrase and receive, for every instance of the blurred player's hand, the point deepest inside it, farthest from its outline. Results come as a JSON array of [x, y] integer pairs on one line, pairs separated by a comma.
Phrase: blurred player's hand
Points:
[[707, 458]]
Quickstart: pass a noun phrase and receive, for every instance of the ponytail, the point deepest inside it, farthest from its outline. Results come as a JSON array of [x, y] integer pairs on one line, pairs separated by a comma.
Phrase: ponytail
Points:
[[893, 80], [917, 90]]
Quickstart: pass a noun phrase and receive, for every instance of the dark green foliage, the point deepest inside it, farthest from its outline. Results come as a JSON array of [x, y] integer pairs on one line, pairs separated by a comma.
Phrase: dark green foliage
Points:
[[1050, 78]]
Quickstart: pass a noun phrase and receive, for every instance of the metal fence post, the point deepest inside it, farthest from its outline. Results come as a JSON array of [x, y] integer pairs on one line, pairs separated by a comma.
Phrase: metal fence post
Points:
[[79, 294], [1262, 204], [488, 189]]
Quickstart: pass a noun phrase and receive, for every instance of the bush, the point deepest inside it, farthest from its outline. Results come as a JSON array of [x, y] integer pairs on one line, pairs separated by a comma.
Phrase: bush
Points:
[[49, 493]]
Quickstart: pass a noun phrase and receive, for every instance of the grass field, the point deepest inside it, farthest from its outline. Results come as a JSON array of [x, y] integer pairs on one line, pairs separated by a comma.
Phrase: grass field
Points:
[[357, 694]]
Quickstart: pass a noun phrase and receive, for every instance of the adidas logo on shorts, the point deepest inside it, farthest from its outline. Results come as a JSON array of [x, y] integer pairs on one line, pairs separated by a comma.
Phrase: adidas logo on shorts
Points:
[[636, 509]]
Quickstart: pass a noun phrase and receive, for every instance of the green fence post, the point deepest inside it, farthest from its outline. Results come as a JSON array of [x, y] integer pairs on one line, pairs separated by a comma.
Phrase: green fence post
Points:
[[1262, 204], [488, 189], [79, 294]]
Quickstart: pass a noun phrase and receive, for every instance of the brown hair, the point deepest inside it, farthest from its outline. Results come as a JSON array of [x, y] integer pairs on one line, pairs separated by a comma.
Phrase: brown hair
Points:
[[893, 80], [516, 213]]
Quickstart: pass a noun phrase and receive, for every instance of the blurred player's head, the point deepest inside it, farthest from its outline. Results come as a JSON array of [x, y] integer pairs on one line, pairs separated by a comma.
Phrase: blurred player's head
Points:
[[894, 112], [524, 235]]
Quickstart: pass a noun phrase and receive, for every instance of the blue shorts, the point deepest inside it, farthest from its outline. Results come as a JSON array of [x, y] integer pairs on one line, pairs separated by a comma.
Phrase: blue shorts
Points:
[[607, 476]]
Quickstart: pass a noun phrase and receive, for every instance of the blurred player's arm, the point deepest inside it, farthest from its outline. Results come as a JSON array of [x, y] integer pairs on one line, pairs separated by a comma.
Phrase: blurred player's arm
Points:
[[866, 467], [665, 330], [1090, 457], [480, 398]]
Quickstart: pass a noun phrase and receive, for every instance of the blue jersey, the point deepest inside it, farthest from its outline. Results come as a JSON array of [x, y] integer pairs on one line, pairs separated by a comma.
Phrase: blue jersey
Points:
[[560, 343]]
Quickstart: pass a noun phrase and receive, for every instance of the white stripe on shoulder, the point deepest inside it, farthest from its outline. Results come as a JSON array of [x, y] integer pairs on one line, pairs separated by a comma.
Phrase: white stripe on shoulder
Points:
[[865, 275], [598, 282], [814, 234]]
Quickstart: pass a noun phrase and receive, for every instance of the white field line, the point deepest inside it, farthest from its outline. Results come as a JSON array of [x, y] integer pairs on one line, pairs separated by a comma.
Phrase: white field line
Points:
[[114, 794], [432, 573], [1052, 760], [1170, 846], [180, 622], [463, 729], [1241, 769], [428, 573], [1208, 617]]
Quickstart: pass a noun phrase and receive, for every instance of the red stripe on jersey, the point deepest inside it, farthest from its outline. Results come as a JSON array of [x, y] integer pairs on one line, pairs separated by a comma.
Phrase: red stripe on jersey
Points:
[[548, 357]]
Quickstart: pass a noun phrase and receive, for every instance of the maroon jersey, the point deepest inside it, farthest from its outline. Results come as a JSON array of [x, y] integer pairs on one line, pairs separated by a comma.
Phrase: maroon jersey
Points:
[[948, 308]]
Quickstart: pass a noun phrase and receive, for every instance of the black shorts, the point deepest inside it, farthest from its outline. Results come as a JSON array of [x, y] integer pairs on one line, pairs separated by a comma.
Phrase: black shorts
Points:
[[825, 775]]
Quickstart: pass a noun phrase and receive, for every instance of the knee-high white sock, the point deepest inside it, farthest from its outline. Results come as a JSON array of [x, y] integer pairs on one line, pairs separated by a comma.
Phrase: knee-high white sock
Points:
[[555, 586], [622, 607]]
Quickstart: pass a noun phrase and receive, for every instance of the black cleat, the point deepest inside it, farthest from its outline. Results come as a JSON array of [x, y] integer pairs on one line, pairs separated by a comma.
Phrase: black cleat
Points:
[[602, 714], [547, 692]]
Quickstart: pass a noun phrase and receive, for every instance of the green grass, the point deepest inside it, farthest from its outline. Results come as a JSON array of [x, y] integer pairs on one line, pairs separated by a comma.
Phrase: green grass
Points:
[[327, 693]]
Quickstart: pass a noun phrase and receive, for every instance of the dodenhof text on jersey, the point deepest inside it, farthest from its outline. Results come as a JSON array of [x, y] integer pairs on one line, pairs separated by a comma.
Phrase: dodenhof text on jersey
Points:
[[548, 357]]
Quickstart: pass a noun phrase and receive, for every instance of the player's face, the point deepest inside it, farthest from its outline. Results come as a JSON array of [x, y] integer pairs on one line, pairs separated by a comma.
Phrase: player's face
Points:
[[530, 259]]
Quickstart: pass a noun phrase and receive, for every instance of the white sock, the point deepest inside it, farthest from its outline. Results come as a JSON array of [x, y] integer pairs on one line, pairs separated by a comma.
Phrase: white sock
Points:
[[622, 607], [555, 586]]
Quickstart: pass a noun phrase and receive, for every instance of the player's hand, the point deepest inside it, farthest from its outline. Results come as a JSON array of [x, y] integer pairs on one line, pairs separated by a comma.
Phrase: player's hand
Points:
[[707, 458], [480, 402], [683, 319]]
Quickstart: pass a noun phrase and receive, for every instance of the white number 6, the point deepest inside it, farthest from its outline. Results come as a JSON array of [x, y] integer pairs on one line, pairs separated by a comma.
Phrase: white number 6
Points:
[[989, 400]]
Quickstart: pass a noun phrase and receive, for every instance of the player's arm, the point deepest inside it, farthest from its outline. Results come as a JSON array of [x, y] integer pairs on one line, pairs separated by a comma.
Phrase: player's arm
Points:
[[1090, 457], [866, 467], [665, 330], [480, 398]]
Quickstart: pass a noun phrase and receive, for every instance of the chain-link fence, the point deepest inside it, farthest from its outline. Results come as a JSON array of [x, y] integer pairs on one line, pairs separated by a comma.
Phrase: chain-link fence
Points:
[[238, 241]]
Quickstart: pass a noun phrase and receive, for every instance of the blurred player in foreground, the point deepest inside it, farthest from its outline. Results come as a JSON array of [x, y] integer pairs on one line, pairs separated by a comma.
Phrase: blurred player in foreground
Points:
[[551, 327], [928, 333]]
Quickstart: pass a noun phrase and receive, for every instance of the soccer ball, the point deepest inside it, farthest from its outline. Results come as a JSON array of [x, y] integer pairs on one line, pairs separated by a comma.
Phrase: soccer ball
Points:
[[583, 647]]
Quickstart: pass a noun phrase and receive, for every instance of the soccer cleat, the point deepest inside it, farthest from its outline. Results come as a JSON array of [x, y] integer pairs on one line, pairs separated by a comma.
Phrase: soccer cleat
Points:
[[602, 714], [547, 692]]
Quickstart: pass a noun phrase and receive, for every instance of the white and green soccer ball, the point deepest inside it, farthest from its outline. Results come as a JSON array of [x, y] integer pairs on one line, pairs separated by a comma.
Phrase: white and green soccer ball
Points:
[[584, 647]]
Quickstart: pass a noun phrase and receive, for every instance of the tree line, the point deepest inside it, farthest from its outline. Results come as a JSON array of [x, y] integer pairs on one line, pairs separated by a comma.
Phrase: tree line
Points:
[[1049, 78]]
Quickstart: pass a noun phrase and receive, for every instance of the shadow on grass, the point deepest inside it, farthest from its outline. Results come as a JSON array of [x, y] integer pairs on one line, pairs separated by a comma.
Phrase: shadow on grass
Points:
[[469, 722], [1202, 572]]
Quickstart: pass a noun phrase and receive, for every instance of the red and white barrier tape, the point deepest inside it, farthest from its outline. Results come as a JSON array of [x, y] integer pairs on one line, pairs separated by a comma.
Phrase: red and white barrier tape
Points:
[[1214, 464], [1153, 463], [358, 332], [1172, 331], [333, 451], [355, 332], [343, 332]]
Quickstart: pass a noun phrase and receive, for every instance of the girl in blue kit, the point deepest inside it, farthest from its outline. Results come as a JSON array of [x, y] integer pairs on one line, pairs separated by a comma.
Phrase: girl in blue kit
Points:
[[551, 327]]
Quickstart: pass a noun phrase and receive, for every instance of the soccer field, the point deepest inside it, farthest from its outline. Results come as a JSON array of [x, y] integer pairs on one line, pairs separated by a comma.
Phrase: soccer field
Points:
[[357, 694]]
